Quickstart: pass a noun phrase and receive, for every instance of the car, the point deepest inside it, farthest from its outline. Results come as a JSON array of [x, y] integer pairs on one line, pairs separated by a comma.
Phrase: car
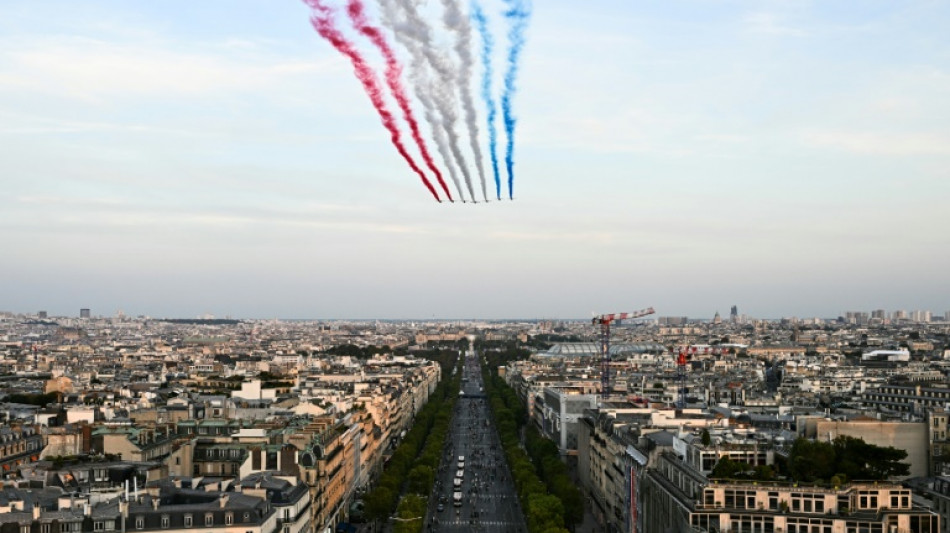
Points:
[[460, 473], [440, 508]]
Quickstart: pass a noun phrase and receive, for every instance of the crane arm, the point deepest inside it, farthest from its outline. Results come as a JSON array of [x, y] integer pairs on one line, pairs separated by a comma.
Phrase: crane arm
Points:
[[608, 318]]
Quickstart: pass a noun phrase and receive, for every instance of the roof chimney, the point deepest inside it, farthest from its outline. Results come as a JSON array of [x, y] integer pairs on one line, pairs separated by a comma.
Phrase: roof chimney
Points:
[[224, 500], [36, 511]]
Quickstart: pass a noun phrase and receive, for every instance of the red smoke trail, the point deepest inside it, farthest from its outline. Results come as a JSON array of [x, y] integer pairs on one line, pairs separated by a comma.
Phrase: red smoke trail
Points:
[[356, 10], [323, 22]]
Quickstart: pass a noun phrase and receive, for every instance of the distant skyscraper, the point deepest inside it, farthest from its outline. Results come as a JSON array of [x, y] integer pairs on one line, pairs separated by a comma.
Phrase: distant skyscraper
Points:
[[856, 317], [879, 313], [899, 315], [84, 313], [41, 314], [734, 314]]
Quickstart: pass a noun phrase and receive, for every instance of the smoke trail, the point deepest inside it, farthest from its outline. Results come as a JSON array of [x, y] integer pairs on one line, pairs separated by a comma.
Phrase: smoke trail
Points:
[[445, 97], [458, 23], [517, 13], [424, 94], [487, 44], [355, 10], [418, 30], [414, 34], [323, 21]]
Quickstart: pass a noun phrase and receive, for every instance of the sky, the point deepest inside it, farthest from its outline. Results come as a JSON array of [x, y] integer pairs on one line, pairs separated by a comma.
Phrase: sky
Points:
[[180, 158]]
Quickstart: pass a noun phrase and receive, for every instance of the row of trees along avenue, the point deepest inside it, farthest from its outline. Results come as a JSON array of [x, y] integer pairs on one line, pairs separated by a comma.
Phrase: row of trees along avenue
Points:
[[410, 472], [549, 499]]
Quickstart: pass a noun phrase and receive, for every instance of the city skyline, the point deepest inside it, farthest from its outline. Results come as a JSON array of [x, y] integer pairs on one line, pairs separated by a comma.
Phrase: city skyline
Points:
[[182, 159], [857, 317]]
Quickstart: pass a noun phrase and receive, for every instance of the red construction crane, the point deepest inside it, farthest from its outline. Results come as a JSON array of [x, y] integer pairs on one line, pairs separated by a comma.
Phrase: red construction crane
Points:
[[604, 321]]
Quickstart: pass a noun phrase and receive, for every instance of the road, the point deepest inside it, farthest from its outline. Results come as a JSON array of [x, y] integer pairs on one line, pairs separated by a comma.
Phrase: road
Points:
[[489, 502]]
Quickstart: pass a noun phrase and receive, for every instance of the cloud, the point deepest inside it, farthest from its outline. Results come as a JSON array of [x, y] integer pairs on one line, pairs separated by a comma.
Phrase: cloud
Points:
[[770, 24], [116, 213], [891, 144], [94, 70]]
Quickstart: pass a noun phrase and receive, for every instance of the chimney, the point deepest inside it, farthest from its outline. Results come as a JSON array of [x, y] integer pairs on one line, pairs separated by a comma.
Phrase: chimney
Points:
[[36, 511], [87, 509], [155, 502], [224, 500]]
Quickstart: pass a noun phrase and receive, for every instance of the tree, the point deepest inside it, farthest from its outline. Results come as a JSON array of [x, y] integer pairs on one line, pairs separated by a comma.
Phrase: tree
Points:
[[764, 473], [544, 512], [844, 458], [811, 460], [421, 479], [859, 460], [378, 503], [726, 468], [705, 438]]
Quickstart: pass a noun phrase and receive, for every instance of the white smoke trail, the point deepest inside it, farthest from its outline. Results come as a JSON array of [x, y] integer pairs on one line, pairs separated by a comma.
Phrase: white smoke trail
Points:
[[411, 38], [458, 23]]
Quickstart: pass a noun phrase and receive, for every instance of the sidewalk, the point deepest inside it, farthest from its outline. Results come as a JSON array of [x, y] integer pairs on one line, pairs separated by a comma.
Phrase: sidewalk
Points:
[[589, 525]]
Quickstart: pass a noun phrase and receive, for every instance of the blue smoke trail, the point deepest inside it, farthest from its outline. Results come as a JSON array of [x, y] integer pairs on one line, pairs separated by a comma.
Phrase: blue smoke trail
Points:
[[517, 13], [487, 43]]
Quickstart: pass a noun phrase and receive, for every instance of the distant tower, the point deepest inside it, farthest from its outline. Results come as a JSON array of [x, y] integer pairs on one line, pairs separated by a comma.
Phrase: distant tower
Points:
[[734, 314], [84, 313], [717, 319], [42, 314]]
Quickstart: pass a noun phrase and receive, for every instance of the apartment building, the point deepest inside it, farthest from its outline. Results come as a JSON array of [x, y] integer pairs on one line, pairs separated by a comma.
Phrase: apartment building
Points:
[[906, 398], [19, 445], [678, 497], [559, 415], [610, 468]]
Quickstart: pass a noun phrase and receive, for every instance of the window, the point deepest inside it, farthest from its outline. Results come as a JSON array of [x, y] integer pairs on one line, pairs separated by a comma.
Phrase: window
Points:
[[247, 517], [867, 500], [922, 524], [228, 519], [139, 522], [166, 521], [98, 525], [187, 520], [209, 519]]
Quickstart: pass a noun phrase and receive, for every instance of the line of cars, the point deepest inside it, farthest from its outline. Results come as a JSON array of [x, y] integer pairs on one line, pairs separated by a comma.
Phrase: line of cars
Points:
[[456, 486], [457, 483]]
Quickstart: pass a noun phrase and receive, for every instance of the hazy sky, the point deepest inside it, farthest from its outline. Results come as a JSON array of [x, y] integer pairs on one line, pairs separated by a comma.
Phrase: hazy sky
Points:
[[183, 157]]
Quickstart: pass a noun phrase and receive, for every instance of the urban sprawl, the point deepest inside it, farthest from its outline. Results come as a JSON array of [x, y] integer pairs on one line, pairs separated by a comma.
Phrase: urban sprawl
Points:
[[725, 424]]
